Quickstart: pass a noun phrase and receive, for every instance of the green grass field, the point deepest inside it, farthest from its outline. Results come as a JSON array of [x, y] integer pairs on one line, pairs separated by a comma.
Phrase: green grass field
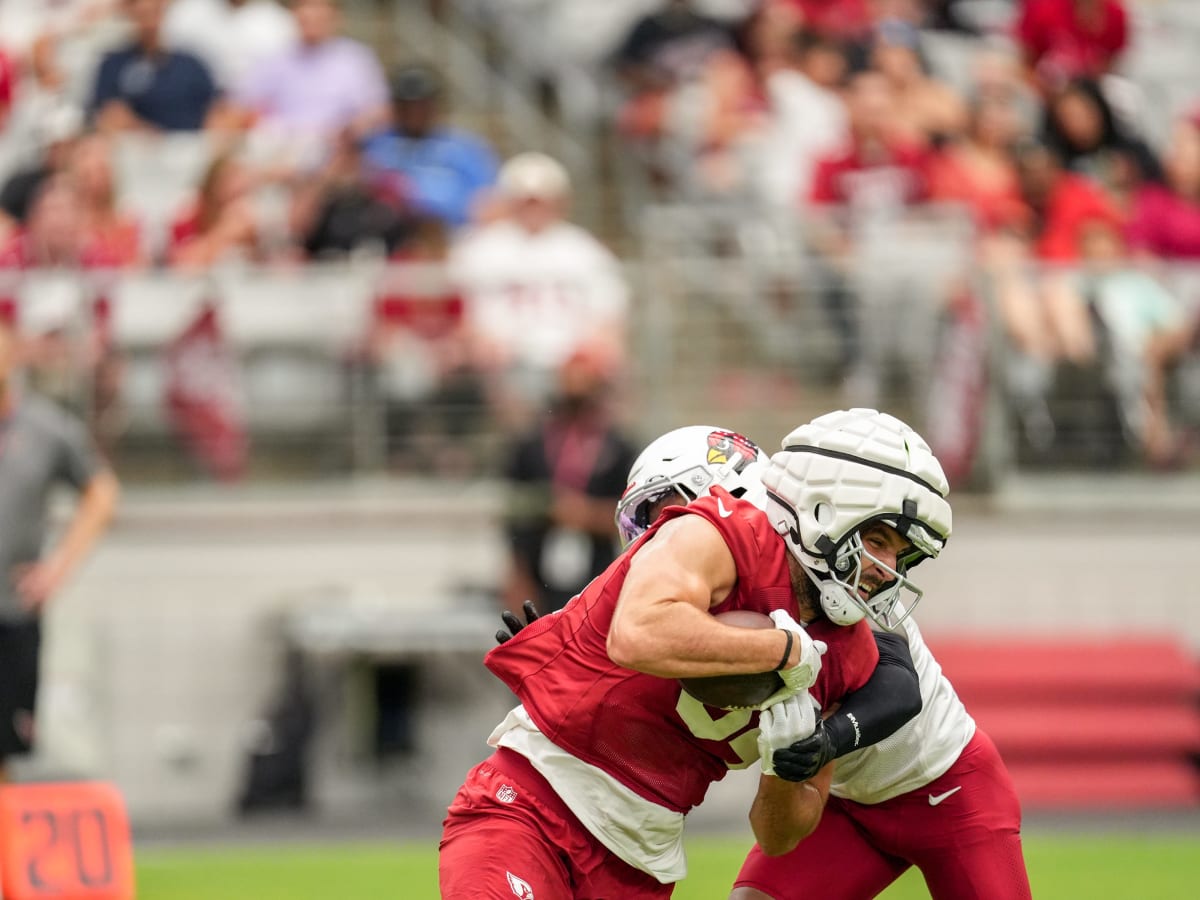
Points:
[[1129, 867]]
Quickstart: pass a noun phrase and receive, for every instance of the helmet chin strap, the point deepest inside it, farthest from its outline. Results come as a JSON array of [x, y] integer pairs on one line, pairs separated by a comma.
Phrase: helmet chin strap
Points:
[[835, 603]]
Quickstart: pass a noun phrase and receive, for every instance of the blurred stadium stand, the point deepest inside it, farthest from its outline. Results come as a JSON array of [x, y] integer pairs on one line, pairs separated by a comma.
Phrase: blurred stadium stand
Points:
[[1100, 724]]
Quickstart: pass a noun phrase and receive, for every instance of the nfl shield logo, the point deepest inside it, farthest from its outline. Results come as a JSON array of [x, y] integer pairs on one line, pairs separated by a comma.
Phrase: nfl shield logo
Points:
[[506, 794]]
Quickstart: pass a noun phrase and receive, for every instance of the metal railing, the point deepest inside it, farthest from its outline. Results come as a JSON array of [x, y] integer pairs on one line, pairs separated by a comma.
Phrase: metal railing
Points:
[[335, 368]]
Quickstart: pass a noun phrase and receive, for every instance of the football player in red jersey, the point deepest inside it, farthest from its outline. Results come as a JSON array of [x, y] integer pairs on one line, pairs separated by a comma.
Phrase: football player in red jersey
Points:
[[595, 770]]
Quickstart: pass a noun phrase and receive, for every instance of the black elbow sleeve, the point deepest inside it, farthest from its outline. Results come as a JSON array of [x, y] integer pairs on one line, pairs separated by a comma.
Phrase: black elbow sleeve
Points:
[[889, 699]]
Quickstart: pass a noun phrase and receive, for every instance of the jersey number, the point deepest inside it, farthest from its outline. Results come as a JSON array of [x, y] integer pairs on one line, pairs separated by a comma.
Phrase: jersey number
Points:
[[702, 725]]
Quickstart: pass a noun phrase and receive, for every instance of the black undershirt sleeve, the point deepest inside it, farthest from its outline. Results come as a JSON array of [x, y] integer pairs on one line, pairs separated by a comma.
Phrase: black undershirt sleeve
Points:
[[890, 698]]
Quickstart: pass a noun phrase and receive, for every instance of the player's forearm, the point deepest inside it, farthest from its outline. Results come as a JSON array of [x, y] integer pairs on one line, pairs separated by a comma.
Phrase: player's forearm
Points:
[[675, 639], [662, 625], [95, 510], [785, 813]]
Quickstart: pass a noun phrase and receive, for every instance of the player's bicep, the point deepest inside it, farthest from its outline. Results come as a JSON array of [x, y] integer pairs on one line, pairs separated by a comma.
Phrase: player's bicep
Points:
[[687, 560], [682, 571]]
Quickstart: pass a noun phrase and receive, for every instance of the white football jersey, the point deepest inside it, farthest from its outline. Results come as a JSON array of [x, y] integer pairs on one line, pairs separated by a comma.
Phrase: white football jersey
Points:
[[921, 750]]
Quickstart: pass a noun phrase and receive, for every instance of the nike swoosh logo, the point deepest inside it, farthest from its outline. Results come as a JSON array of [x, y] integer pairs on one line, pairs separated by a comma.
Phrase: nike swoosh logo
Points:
[[935, 800], [722, 511]]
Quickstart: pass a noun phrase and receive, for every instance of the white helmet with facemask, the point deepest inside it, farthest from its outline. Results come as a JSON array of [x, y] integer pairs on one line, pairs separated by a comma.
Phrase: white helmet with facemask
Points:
[[689, 461], [840, 473]]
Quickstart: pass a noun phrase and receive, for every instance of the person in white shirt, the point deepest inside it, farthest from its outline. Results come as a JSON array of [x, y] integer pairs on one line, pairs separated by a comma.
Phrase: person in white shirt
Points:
[[807, 119], [536, 286]]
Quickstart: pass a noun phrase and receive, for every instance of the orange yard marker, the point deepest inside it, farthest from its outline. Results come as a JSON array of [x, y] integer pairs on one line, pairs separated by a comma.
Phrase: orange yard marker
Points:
[[64, 840]]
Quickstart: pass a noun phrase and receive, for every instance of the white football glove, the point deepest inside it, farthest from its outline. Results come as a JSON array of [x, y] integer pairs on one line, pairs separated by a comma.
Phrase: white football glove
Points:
[[803, 675], [783, 724]]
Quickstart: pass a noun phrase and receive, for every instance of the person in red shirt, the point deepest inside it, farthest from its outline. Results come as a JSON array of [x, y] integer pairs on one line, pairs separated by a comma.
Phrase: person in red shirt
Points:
[[118, 233], [1063, 39], [594, 772], [978, 171], [848, 20], [877, 173], [8, 84], [57, 237], [221, 223]]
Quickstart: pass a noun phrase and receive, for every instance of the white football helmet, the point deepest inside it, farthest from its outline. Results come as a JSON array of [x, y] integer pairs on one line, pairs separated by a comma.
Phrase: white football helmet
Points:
[[690, 461], [845, 470]]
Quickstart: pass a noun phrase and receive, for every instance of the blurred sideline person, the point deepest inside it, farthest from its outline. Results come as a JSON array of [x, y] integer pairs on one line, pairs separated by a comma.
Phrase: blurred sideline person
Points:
[[563, 477], [595, 771], [40, 446]]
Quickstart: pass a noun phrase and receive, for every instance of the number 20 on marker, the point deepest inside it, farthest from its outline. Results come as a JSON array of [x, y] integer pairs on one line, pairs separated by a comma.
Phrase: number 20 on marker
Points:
[[64, 840]]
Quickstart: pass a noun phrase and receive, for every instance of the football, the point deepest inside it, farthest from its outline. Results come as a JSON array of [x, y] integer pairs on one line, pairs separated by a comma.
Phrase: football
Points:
[[736, 691]]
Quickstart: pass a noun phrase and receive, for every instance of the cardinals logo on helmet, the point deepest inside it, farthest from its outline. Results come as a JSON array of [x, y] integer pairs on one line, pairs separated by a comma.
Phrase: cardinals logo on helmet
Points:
[[723, 444]]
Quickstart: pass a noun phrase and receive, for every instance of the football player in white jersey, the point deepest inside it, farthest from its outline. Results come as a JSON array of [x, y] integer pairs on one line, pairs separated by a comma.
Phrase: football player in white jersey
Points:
[[929, 790]]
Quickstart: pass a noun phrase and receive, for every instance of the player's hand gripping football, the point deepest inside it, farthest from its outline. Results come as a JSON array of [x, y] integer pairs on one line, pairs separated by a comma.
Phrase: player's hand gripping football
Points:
[[805, 756], [803, 675], [783, 725], [513, 624]]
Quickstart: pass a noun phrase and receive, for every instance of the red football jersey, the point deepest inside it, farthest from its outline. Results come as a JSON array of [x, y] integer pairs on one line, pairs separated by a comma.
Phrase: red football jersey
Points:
[[643, 730]]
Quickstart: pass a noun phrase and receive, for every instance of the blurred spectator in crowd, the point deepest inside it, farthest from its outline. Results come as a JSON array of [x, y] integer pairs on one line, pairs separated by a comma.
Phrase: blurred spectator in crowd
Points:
[[977, 170], [1058, 203], [1062, 39], [844, 20], [666, 48], [1080, 127], [669, 45], [926, 110], [714, 129], [995, 74], [442, 170], [869, 223], [1165, 220], [344, 208], [57, 136], [564, 478], [68, 234], [1144, 332], [536, 286], [806, 117], [325, 84], [231, 36], [44, 448], [8, 84], [221, 224], [877, 171], [43, 93], [24, 22], [146, 86], [56, 233], [1039, 304], [92, 172], [419, 351]]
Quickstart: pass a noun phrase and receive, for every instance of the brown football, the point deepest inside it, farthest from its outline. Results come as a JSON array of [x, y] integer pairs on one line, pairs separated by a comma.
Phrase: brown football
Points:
[[736, 691]]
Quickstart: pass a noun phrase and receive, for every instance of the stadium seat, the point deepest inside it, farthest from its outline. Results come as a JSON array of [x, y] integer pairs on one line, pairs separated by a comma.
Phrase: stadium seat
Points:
[[295, 333], [1101, 723]]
